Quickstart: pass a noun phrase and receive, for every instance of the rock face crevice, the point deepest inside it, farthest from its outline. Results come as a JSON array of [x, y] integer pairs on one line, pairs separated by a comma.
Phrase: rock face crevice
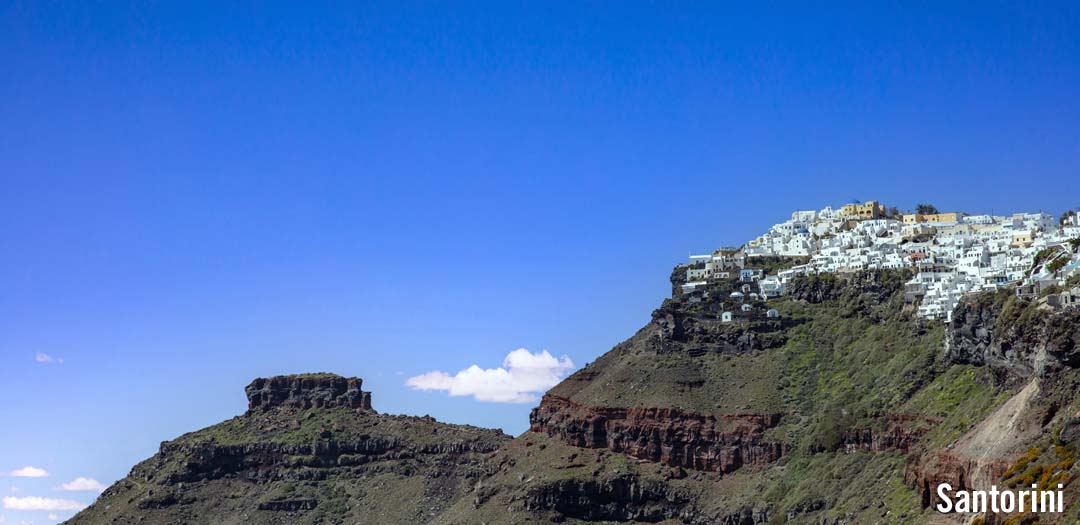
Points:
[[718, 443], [307, 391]]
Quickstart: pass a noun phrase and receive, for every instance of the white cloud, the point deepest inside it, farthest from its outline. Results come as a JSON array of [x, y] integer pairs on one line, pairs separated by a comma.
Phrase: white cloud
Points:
[[13, 488], [35, 503], [42, 357], [522, 376], [80, 484], [54, 517], [29, 472]]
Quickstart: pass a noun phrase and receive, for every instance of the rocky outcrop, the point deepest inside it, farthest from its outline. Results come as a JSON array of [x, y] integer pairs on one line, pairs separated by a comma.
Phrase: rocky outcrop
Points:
[[1014, 337], [874, 286], [815, 289], [678, 277], [970, 334], [307, 391], [623, 498], [901, 432], [1070, 429], [1062, 333], [699, 330], [719, 443], [631, 499]]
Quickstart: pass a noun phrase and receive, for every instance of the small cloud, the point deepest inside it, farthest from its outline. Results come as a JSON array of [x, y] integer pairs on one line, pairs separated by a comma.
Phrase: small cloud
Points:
[[42, 357], [522, 376], [13, 488], [35, 503], [82, 484], [29, 472], [54, 517]]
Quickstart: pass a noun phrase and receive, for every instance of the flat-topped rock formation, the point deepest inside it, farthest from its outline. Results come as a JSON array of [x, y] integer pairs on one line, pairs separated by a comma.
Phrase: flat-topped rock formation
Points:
[[303, 391]]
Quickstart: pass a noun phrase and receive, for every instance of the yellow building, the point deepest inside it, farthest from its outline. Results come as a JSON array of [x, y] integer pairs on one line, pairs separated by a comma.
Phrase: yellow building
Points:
[[866, 210], [916, 218], [1022, 239]]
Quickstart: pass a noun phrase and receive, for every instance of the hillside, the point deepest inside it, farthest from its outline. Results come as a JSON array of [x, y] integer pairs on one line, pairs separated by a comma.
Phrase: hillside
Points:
[[309, 450], [845, 410], [841, 407]]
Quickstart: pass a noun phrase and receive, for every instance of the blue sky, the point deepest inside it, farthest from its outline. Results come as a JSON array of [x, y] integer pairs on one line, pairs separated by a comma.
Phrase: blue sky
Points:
[[194, 195]]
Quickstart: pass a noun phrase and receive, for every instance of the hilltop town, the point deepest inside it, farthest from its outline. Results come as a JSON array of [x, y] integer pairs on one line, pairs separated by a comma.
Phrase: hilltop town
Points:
[[950, 254]]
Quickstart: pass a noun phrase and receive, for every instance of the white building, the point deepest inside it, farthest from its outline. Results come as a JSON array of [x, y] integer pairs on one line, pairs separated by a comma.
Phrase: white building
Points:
[[978, 252]]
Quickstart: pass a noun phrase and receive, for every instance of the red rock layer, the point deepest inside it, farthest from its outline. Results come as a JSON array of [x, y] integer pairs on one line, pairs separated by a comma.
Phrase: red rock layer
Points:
[[961, 472], [902, 432], [719, 443]]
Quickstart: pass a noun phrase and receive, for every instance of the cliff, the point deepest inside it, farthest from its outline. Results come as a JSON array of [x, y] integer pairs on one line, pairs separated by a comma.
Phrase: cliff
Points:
[[845, 410], [1015, 337], [1031, 355], [307, 391], [721, 443]]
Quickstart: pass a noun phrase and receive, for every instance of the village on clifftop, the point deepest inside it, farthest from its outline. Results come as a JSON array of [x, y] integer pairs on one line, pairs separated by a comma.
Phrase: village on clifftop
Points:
[[952, 254]]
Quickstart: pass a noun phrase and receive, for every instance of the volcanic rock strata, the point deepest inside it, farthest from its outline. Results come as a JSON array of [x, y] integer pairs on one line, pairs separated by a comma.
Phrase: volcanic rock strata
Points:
[[307, 391], [721, 443]]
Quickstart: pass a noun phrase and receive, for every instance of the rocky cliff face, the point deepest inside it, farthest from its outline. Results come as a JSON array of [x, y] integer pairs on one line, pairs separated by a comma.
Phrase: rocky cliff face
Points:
[[866, 288], [699, 329], [620, 499], [900, 432], [982, 455], [720, 443], [1015, 337], [307, 391], [1031, 352], [692, 420]]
